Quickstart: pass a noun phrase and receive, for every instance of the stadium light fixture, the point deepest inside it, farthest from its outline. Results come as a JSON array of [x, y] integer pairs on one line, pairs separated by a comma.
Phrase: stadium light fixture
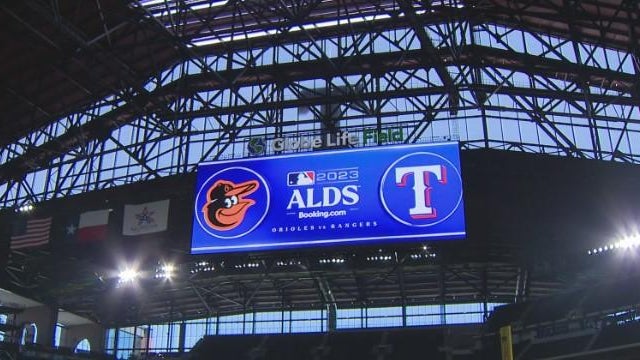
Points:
[[379, 258], [418, 256], [289, 262], [247, 265], [202, 266], [26, 208], [630, 242], [128, 276], [209, 5], [332, 260], [151, 2], [165, 271]]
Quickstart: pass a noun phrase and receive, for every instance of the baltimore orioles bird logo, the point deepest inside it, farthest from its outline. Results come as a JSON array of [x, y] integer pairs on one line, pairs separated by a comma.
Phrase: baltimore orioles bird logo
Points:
[[226, 205]]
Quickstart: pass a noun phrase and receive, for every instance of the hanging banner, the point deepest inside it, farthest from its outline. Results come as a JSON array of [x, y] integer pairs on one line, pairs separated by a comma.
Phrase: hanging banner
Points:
[[147, 218], [346, 197]]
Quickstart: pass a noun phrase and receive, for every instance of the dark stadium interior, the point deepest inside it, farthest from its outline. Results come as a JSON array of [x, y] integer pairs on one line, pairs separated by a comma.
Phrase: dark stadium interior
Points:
[[108, 103]]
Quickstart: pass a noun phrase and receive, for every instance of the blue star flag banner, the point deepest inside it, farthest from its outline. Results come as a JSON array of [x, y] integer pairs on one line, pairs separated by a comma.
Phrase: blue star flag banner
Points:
[[147, 218]]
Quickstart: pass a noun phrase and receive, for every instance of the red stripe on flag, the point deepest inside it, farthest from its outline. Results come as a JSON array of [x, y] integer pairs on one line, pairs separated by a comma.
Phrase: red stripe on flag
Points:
[[92, 233], [36, 233]]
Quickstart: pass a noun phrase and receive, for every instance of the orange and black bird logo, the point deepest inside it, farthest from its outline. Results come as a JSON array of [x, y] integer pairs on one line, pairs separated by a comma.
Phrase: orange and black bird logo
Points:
[[226, 204]]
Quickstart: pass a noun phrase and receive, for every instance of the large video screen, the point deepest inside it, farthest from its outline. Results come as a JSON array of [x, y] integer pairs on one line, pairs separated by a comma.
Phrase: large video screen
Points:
[[329, 198]]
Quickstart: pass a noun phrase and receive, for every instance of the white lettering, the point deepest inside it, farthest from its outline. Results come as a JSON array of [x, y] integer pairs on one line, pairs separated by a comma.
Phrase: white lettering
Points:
[[303, 143], [350, 195], [296, 198], [328, 193], [421, 188], [310, 203], [278, 144], [331, 196]]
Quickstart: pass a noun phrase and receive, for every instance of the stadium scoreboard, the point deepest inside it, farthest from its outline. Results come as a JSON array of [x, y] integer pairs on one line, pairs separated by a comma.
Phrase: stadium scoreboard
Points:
[[329, 198]]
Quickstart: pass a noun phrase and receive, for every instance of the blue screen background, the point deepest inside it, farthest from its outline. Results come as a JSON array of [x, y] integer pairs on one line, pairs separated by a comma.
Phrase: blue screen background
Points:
[[268, 224]]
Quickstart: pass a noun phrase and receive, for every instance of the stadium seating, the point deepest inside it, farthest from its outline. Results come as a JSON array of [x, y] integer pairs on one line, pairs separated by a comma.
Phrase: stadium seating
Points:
[[617, 335], [581, 321], [406, 344], [353, 344], [565, 345], [347, 345], [41, 352], [296, 346]]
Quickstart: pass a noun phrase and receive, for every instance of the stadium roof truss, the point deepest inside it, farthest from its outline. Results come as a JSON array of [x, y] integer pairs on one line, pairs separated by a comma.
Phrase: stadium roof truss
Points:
[[114, 94], [208, 287]]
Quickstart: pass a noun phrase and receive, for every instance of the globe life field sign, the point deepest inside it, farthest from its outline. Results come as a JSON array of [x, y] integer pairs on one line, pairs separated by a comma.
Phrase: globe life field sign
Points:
[[359, 196]]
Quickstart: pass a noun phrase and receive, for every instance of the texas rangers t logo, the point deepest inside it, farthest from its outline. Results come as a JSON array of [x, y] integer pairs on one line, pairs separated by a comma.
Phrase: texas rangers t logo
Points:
[[416, 189]]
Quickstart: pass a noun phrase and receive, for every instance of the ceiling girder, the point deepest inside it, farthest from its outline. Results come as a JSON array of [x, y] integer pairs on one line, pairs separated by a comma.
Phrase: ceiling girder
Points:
[[432, 59], [158, 100]]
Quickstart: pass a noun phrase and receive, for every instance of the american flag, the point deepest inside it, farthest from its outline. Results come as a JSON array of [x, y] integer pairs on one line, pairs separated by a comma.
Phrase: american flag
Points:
[[32, 233]]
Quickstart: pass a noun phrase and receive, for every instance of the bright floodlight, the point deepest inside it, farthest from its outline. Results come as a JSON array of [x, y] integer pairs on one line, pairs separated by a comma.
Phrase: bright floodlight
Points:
[[629, 242], [626, 243], [128, 276], [26, 208], [167, 271]]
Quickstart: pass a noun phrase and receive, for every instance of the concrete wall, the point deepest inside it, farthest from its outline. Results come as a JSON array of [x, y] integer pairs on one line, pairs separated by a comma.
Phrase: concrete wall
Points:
[[44, 319], [72, 335]]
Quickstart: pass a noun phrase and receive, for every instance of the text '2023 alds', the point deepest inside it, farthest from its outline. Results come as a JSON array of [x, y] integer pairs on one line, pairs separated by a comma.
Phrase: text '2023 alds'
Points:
[[326, 197]]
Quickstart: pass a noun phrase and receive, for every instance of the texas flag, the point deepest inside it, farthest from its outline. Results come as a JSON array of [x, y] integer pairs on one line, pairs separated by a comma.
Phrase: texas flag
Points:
[[91, 226]]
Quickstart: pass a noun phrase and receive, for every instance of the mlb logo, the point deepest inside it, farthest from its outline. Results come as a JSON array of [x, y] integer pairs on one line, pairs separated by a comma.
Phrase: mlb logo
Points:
[[301, 178]]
